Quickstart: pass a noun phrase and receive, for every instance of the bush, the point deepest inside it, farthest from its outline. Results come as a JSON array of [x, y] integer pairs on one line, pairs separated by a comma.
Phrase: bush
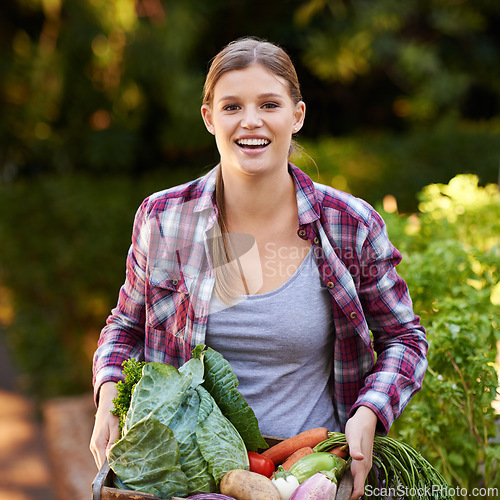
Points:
[[452, 266], [62, 257]]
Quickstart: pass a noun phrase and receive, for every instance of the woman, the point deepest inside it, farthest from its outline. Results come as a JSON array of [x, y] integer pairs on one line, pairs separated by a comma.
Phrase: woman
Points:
[[292, 281]]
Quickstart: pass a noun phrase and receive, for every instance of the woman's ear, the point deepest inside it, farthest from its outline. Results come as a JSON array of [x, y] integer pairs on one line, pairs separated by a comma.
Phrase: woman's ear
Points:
[[299, 116], [206, 113]]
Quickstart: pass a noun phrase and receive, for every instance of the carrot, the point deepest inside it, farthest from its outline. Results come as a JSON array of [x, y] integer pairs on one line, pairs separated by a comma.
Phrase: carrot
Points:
[[341, 451], [296, 456], [281, 451]]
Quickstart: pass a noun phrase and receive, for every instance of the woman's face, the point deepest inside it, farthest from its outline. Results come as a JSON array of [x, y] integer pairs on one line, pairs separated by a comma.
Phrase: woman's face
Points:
[[253, 118]]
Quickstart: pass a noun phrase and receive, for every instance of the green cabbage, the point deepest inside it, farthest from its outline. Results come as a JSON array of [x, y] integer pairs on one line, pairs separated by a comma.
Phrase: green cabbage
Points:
[[185, 428], [158, 471]]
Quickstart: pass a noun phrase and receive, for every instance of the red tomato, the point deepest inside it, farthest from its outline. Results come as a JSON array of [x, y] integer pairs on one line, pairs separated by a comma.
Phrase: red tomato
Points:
[[260, 464]]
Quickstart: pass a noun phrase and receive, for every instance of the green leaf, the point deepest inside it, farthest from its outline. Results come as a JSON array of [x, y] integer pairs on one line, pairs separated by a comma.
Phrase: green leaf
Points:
[[158, 471], [219, 442], [221, 382], [194, 368], [193, 464], [160, 391]]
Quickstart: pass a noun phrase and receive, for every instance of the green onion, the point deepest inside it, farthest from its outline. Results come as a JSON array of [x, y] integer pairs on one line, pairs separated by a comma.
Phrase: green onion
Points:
[[398, 466]]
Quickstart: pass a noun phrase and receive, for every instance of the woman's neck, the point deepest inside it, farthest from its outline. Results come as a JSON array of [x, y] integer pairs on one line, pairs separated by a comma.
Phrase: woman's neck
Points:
[[254, 199]]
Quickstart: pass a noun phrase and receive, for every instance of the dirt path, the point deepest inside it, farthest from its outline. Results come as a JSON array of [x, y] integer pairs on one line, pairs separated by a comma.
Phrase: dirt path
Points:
[[43, 458], [25, 472]]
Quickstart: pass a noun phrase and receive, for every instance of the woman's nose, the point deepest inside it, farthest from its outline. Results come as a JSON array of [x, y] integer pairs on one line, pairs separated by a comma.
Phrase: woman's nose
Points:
[[251, 119]]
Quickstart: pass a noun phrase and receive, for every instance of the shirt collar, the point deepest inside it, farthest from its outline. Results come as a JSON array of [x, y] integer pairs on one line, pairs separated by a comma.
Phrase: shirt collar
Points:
[[206, 199], [307, 203]]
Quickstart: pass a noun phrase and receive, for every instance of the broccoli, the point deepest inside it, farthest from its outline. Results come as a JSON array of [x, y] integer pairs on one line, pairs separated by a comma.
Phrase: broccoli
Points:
[[132, 370]]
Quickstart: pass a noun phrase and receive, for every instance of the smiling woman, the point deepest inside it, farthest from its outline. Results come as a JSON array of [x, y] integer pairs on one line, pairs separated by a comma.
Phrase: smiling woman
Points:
[[265, 266]]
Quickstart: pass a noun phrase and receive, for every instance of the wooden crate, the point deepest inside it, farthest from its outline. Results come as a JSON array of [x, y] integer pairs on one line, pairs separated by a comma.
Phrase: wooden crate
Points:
[[103, 489]]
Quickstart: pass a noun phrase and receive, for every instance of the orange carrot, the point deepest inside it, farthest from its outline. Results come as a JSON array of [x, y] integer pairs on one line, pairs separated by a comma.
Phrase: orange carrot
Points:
[[281, 451], [341, 451], [296, 456]]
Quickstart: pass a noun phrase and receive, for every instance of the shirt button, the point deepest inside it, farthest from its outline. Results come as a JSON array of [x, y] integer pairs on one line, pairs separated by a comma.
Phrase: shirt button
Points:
[[353, 315], [302, 233], [330, 284], [175, 282], [315, 241]]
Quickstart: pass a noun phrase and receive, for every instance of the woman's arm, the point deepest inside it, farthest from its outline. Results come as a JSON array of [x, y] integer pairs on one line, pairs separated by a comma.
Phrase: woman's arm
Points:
[[398, 338], [123, 337]]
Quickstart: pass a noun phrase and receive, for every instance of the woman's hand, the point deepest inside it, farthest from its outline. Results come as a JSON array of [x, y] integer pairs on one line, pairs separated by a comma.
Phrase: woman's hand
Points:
[[360, 432], [106, 428]]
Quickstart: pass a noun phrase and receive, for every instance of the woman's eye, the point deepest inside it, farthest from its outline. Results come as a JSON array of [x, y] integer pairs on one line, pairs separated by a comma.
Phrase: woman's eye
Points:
[[230, 107], [271, 105]]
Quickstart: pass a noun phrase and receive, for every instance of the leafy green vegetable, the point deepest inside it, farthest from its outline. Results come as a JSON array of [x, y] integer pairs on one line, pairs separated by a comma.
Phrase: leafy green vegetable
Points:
[[214, 433], [160, 391], [132, 370], [147, 459], [216, 375], [183, 425], [171, 410], [222, 383]]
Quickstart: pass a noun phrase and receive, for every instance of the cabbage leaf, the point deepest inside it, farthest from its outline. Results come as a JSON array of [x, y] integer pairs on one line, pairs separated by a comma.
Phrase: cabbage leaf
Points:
[[176, 440], [215, 433], [193, 464], [146, 458], [222, 383]]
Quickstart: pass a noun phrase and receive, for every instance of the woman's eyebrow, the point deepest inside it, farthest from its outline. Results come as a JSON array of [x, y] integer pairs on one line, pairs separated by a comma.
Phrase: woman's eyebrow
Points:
[[270, 95], [266, 95]]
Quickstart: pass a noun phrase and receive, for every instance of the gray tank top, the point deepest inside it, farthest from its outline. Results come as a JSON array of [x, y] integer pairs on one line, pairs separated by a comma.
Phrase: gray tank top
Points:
[[280, 345]]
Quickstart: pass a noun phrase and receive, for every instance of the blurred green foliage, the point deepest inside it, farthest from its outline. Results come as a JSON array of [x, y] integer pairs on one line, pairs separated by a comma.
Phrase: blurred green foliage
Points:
[[451, 262], [62, 261], [115, 85], [437, 53], [373, 165], [88, 85]]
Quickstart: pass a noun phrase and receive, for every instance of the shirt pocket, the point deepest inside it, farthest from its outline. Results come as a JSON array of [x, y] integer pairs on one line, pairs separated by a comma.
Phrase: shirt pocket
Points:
[[167, 301]]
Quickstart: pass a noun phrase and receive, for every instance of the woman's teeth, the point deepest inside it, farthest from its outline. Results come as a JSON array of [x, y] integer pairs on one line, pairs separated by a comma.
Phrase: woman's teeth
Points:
[[252, 143]]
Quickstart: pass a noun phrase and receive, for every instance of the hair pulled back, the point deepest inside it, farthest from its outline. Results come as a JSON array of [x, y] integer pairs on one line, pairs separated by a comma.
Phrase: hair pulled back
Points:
[[244, 52]]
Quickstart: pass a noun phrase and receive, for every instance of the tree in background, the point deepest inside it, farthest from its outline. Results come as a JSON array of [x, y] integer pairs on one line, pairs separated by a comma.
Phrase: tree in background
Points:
[[114, 85], [436, 57], [99, 85]]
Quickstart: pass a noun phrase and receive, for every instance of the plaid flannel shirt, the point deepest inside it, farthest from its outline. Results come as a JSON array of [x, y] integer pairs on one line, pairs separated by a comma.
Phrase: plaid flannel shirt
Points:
[[161, 315]]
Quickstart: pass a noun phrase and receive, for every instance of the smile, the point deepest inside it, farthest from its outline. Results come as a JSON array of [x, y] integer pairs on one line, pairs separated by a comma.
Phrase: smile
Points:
[[252, 143]]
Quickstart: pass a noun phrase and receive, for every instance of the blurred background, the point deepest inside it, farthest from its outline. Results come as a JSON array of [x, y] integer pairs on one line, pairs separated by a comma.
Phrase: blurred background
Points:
[[99, 107]]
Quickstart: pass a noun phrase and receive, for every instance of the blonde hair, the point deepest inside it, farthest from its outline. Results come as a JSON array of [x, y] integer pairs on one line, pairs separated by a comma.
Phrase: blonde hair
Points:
[[237, 55]]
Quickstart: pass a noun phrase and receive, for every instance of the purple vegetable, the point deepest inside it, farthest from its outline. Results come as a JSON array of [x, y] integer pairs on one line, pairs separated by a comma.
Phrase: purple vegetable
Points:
[[210, 496], [317, 487]]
